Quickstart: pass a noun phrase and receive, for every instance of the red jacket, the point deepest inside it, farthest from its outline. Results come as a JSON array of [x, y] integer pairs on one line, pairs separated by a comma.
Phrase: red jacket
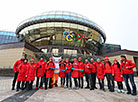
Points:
[[81, 66], [49, 71], [108, 68], [62, 73], [68, 67], [87, 68], [40, 68], [31, 72], [16, 65], [100, 70], [93, 67], [128, 67], [75, 73], [117, 73], [22, 69]]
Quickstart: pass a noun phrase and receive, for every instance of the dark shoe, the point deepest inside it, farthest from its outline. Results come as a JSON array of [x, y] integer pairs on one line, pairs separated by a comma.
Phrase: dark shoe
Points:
[[13, 88], [50, 87], [91, 88], [45, 88], [87, 87], [134, 94], [95, 87], [103, 89], [128, 92], [17, 90]]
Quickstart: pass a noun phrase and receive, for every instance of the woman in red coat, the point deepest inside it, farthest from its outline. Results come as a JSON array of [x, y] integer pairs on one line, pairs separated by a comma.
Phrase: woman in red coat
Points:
[[40, 72], [31, 72], [75, 73], [100, 73], [22, 69], [81, 73], [118, 74], [49, 72], [62, 73]]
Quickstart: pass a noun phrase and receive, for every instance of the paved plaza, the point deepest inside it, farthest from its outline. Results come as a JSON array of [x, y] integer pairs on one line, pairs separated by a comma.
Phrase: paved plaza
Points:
[[60, 94]]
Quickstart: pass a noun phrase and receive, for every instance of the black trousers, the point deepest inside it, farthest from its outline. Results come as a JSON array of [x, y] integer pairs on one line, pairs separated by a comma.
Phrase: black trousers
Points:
[[93, 80], [68, 79], [14, 79], [18, 85], [41, 82], [87, 75], [101, 83], [120, 85], [62, 80], [76, 82], [29, 85], [110, 81], [80, 82], [48, 80]]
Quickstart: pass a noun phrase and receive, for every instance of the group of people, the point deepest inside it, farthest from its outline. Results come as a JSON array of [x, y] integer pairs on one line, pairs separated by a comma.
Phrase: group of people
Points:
[[25, 73]]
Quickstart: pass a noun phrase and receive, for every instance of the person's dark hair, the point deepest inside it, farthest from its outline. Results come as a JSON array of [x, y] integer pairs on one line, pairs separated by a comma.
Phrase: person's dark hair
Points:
[[108, 63], [118, 65], [123, 56], [41, 57], [25, 55]]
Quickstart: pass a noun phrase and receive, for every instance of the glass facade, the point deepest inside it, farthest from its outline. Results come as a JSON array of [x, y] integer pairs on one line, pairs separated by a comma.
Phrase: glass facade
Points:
[[50, 32], [7, 37], [108, 48]]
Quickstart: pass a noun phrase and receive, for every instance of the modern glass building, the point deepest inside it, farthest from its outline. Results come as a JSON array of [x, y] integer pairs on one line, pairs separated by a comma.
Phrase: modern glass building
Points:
[[7, 37], [57, 32]]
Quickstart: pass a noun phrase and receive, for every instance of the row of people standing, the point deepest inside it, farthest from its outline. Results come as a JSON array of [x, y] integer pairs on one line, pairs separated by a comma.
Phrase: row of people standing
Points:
[[44, 73]]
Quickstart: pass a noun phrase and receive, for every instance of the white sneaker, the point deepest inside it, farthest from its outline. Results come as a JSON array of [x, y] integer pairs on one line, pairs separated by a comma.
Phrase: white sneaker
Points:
[[122, 91], [119, 91]]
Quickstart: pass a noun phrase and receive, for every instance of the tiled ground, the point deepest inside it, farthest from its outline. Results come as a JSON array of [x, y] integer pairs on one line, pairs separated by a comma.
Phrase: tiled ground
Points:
[[60, 94]]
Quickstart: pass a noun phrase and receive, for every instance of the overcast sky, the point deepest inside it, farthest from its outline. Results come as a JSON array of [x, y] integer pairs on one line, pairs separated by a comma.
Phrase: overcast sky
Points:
[[118, 18]]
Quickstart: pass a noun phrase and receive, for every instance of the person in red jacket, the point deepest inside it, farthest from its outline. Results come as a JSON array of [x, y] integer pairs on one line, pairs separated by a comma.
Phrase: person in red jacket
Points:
[[100, 73], [62, 73], [75, 73], [81, 66], [87, 71], [49, 73], [40, 72], [31, 72], [118, 75], [15, 69], [93, 75], [68, 67], [22, 69], [127, 67], [109, 74]]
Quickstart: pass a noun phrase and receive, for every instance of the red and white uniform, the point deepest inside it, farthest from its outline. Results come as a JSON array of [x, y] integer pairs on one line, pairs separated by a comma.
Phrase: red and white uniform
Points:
[[40, 68], [49, 71], [62, 73], [128, 67], [87, 68], [93, 67], [117, 73], [81, 66], [22, 69], [68, 67], [108, 68], [100, 70], [16, 65], [75, 73], [31, 72]]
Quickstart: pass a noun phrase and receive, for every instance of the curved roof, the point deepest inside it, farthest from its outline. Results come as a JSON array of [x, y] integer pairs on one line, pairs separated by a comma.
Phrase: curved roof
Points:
[[58, 16]]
